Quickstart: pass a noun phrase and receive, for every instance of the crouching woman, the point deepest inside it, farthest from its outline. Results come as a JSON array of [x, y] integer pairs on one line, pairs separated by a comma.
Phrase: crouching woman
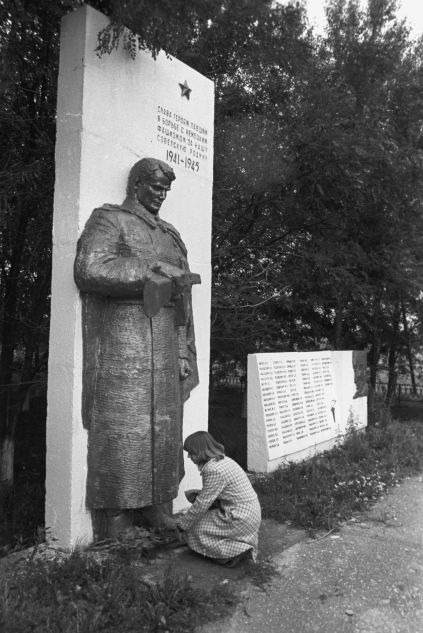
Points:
[[224, 519]]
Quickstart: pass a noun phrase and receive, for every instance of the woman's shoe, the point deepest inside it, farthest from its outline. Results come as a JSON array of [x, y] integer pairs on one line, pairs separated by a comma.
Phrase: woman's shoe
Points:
[[233, 562]]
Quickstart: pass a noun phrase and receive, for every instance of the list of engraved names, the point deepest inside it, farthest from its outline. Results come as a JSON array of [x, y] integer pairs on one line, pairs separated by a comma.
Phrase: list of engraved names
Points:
[[297, 396]]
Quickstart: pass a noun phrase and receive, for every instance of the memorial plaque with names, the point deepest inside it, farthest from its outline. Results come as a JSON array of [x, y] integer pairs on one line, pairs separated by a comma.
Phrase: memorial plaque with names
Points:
[[298, 398]]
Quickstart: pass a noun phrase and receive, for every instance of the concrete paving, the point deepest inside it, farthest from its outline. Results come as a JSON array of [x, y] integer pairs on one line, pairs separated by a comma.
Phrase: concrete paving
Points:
[[367, 578]]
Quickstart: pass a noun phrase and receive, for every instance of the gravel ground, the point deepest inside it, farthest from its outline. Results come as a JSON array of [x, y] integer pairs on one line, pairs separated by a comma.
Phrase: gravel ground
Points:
[[366, 578]]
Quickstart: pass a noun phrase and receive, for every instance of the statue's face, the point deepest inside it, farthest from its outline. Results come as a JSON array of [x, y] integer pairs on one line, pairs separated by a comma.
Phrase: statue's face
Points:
[[153, 193]]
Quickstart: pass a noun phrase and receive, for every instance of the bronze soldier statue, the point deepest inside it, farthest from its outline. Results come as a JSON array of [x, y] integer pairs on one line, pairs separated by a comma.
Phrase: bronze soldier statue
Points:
[[139, 362]]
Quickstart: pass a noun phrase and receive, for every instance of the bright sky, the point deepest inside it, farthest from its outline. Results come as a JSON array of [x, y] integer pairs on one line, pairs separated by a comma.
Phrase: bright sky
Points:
[[412, 10]]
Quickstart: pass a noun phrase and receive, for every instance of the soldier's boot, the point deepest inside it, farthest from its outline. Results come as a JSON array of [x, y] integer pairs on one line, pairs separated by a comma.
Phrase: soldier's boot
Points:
[[158, 516], [110, 523]]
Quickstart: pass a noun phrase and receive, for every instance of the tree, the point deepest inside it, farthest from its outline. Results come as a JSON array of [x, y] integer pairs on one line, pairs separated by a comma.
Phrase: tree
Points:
[[381, 71], [29, 45]]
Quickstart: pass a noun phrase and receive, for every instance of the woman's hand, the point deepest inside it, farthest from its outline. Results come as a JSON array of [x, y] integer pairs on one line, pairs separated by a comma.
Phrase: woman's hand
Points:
[[180, 534]]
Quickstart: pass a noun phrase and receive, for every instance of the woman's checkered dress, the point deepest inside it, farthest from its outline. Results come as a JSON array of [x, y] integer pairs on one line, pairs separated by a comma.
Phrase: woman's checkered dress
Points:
[[232, 527]]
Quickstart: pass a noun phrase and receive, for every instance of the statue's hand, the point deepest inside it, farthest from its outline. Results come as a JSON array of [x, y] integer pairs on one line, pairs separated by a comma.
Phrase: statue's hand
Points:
[[181, 278], [184, 368], [168, 270]]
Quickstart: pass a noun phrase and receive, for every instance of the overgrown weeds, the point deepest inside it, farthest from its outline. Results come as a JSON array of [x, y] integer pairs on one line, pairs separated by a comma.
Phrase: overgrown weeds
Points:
[[321, 492], [87, 594]]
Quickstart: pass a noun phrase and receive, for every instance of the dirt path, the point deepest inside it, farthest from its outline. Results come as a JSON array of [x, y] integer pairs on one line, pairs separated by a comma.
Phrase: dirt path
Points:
[[367, 578]]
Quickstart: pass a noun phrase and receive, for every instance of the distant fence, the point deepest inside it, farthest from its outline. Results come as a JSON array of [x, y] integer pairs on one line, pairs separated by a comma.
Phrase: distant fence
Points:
[[402, 392], [231, 381]]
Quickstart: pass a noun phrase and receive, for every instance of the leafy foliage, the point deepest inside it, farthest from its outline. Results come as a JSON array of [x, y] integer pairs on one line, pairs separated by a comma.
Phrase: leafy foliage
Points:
[[337, 218], [82, 593]]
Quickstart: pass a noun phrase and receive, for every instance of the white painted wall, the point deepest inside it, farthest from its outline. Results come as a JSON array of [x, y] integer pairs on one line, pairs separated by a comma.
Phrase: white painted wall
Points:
[[107, 120], [267, 448]]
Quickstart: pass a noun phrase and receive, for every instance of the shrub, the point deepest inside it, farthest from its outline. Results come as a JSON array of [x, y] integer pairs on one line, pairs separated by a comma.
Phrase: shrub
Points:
[[324, 490], [86, 594]]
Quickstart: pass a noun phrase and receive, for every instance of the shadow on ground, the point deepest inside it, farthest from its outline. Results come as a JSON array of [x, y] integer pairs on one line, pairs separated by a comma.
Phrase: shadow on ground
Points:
[[274, 538], [408, 411]]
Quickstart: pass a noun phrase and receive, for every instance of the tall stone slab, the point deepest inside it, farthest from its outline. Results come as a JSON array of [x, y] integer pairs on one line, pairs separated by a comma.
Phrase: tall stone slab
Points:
[[302, 403], [111, 112]]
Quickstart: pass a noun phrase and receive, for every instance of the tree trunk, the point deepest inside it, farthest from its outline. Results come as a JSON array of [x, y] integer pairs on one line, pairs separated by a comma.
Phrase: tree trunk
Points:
[[408, 347], [7, 455], [7, 350], [338, 329], [392, 375], [374, 356], [392, 358]]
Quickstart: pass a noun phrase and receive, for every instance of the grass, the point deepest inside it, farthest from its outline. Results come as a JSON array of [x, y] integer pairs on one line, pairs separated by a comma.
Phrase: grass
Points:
[[85, 594], [325, 490]]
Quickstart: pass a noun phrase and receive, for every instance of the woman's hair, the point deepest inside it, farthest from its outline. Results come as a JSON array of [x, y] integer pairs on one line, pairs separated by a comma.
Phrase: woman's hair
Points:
[[204, 446]]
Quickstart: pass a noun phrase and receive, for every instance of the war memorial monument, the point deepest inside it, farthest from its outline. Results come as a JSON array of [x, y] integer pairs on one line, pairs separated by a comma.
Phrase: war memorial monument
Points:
[[126, 375]]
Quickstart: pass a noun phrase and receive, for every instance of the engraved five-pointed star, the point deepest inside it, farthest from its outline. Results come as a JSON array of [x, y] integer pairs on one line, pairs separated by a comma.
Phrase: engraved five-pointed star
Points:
[[185, 90]]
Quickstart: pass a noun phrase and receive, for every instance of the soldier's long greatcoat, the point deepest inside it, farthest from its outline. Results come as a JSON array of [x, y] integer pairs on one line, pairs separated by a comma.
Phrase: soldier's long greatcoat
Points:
[[132, 395]]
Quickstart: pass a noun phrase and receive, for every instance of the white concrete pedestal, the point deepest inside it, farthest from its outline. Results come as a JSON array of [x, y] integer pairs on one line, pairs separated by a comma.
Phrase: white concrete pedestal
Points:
[[112, 111]]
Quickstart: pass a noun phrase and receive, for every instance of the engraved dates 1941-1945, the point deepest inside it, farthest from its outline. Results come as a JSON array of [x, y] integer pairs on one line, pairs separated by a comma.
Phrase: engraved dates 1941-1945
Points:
[[183, 161]]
